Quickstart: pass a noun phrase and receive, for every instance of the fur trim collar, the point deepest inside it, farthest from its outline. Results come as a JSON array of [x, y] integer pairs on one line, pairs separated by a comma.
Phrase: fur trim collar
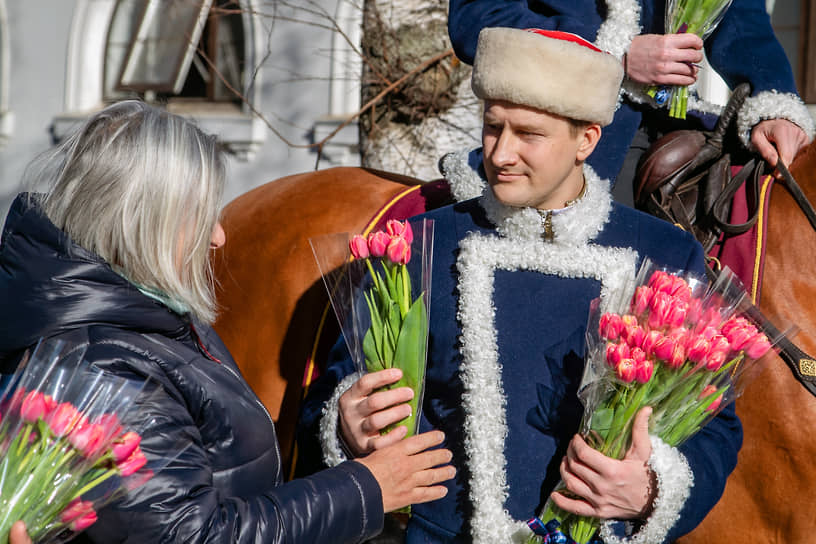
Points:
[[483, 400], [573, 225], [462, 172]]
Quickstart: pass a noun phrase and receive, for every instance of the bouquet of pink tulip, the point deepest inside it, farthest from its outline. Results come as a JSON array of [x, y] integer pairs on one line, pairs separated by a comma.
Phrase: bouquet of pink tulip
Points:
[[64, 451], [699, 17], [384, 318], [675, 345]]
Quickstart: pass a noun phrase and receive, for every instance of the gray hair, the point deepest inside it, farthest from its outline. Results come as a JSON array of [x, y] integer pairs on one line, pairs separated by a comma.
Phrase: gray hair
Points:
[[141, 188]]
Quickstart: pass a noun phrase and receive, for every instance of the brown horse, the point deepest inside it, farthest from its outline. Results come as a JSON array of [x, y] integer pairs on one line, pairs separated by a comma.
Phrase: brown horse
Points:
[[274, 309], [274, 313]]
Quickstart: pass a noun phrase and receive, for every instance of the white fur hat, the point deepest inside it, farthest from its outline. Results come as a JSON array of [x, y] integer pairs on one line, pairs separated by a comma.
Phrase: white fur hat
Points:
[[554, 71]]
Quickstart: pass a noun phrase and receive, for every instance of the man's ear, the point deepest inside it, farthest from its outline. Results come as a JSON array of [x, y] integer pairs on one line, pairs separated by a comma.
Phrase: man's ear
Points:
[[589, 139]]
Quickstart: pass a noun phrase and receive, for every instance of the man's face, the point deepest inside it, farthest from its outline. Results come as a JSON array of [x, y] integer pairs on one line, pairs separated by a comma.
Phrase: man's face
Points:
[[533, 158]]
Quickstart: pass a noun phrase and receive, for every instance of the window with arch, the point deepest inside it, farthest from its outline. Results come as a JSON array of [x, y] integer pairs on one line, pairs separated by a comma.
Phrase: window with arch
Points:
[[165, 50], [197, 57]]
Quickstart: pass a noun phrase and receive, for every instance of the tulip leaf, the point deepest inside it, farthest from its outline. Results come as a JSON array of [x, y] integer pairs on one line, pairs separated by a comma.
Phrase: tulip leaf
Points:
[[410, 356], [373, 339], [602, 421]]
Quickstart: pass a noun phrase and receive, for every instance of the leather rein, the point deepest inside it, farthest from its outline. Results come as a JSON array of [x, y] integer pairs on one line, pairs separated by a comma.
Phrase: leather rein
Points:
[[685, 178]]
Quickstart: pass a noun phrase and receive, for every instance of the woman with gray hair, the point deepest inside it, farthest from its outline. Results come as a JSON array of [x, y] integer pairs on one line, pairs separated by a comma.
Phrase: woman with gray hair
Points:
[[115, 259]]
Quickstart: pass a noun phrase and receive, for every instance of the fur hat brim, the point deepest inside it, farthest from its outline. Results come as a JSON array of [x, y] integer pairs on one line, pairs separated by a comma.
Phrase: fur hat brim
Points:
[[549, 74]]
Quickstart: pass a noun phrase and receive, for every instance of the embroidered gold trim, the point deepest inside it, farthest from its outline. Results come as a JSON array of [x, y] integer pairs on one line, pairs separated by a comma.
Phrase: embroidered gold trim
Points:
[[807, 367]]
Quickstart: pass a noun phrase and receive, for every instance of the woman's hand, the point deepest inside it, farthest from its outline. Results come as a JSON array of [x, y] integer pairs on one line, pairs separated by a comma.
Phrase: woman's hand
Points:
[[664, 59], [364, 413], [409, 472], [608, 488]]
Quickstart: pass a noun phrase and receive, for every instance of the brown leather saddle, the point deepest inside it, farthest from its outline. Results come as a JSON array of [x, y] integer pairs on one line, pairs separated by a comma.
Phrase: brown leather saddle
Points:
[[686, 178]]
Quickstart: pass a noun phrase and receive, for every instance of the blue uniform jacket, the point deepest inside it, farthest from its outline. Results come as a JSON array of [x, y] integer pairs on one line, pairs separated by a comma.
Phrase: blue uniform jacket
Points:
[[508, 318], [742, 48]]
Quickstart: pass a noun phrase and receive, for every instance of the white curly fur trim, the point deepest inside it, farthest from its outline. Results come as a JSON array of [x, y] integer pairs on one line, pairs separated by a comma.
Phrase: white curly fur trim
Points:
[[573, 225], [773, 105], [483, 399], [622, 24], [332, 450], [674, 483], [465, 182]]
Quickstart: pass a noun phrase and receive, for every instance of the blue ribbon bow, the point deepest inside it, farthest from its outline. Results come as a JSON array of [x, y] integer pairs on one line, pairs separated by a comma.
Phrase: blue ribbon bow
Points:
[[551, 534]]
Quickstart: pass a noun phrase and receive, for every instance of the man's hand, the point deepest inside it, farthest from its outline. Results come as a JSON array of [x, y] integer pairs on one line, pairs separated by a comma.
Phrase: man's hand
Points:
[[407, 473], [364, 413], [608, 488], [18, 534], [778, 139], [664, 59]]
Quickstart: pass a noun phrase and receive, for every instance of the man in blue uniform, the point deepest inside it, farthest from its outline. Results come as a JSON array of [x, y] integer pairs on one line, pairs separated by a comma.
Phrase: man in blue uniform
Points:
[[743, 48], [515, 269]]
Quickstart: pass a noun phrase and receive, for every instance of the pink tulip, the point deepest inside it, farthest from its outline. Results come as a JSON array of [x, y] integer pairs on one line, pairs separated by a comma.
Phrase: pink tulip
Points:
[[611, 326], [358, 247], [740, 337], [733, 323], [715, 359], [697, 348], [110, 423], [33, 407], [637, 355], [710, 390], [644, 370], [378, 243], [75, 509], [615, 353], [626, 370], [680, 289], [400, 230], [758, 346], [660, 282], [649, 342], [676, 314], [629, 320], [125, 445], [670, 351], [719, 343], [84, 522], [634, 335], [88, 438], [658, 308], [133, 463], [641, 299], [399, 251], [64, 419]]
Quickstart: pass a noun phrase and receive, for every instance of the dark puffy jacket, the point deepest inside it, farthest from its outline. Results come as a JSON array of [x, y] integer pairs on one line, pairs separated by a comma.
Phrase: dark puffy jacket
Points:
[[227, 485]]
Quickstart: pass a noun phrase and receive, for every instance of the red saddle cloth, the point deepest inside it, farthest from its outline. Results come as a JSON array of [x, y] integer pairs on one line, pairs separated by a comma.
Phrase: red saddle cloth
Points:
[[744, 253]]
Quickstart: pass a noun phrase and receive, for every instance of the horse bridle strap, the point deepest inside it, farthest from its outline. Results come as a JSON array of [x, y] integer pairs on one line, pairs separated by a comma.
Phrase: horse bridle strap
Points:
[[797, 194], [801, 364]]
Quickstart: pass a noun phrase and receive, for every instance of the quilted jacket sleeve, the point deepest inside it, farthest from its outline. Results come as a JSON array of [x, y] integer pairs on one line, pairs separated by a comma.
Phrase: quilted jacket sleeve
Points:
[[192, 501]]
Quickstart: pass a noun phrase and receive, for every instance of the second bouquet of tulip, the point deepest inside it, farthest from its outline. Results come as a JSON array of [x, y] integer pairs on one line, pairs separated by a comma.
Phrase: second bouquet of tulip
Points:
[[676, 345], [65, 449], [698, 17], [380, 287]]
